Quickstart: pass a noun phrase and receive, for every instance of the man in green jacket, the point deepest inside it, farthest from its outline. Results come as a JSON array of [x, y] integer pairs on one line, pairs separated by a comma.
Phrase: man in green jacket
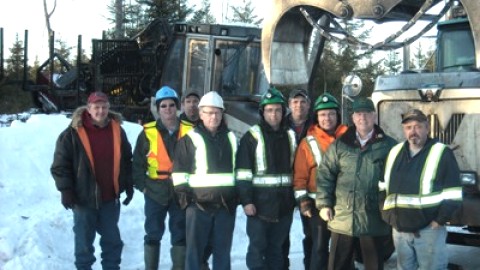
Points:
[[348, 195]]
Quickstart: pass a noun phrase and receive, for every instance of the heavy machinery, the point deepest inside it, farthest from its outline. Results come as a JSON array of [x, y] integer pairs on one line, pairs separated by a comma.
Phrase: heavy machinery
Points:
[[186, 57], [450, 94]]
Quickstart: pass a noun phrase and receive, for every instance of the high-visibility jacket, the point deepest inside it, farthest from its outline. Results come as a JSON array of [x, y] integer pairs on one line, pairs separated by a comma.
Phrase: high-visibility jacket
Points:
[[421, 188], [260, 178], [185, 127], [308, 156], [201, 177], [204, 169], [264, 170], [159, 162]]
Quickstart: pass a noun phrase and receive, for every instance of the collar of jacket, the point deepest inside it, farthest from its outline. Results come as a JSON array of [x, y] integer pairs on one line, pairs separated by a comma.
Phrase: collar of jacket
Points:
[[77, 117], [200, 128], [350, 138]]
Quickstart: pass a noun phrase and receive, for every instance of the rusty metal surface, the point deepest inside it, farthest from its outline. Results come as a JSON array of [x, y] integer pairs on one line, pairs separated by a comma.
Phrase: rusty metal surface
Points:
[[286, 35]]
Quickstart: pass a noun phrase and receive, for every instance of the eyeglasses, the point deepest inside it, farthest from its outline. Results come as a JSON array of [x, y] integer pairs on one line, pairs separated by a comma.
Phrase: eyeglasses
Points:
[[211, 113], [171, 105], [325, 115]]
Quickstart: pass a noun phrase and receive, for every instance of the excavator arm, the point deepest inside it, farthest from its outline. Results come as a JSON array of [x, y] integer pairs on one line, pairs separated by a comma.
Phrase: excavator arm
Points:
[[295, 32]]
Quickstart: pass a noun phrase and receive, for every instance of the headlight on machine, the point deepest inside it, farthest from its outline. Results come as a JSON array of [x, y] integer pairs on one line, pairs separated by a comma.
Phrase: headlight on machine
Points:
[[469, 181]]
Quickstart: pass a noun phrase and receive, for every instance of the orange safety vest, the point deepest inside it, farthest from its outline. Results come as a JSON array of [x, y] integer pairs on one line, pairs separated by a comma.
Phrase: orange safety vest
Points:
[[82, 133], [160, 165]]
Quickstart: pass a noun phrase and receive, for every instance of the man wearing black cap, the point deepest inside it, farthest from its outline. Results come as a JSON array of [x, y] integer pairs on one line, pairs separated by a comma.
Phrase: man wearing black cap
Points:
[[299, 118], [348, 190], [91, 167], [423, 191], [190, 115]]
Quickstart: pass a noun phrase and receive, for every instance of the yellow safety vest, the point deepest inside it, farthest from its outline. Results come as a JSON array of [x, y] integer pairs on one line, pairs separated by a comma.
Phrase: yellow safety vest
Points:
[[160, 165]]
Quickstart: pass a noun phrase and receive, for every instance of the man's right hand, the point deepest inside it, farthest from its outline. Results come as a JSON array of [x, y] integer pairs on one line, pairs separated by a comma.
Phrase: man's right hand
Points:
[[68, 199], [250, 209], [326, 213]]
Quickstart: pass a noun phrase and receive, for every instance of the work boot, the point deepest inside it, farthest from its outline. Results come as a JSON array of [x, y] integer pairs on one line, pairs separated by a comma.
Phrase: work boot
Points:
[[178, 257], [151, 255]]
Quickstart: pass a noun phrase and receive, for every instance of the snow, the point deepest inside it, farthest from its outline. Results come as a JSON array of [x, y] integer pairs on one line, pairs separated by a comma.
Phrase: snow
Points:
[[35, 229]]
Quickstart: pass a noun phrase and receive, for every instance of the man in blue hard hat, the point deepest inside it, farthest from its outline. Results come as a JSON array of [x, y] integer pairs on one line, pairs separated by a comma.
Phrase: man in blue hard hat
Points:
[[152, 174]]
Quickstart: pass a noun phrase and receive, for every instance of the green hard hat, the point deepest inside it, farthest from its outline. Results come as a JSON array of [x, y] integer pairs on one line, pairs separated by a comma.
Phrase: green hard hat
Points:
[[272, 96], [326, 101]]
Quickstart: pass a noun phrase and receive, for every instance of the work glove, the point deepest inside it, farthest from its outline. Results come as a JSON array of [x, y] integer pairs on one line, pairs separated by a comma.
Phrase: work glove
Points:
[[129, 192], [68, 199], [306, 207]]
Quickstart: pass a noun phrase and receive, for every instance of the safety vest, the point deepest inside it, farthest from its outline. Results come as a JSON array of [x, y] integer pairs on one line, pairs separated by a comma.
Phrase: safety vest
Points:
[[201, 177], [117, 151], [159, 163], [314, 147], [260, 178], [426, 197], [185, 127]]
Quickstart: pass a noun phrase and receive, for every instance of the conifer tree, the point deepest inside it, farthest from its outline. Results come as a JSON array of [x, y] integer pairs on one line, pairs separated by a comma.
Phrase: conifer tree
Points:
[[244, 13], [15, 63], [203, 15]]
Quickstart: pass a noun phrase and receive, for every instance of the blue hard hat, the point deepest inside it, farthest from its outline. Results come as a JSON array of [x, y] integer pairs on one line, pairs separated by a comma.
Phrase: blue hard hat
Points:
[[166, 92]]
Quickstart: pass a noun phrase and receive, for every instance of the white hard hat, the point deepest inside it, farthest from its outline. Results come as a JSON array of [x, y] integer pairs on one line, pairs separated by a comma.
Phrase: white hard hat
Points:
[[212, 99]]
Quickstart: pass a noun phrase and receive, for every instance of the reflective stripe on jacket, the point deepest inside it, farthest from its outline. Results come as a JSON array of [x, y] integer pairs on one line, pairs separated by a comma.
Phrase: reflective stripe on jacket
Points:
[[200, 178], [308, 155], [426, 196], [260, 178], [159, 162]]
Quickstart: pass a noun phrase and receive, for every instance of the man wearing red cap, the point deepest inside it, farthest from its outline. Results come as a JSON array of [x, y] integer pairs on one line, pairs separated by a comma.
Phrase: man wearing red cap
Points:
[[91, 167]]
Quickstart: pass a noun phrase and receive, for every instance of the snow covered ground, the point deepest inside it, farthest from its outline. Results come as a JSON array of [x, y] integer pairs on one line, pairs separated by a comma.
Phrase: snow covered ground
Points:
[[36, 231]]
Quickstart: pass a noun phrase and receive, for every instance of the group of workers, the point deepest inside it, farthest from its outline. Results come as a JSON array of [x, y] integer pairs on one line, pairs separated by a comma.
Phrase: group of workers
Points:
[[355, 186]]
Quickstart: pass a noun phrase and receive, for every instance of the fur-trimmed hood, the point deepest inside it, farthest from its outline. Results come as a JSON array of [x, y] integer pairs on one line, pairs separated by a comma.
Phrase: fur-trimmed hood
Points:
[[77, 116]]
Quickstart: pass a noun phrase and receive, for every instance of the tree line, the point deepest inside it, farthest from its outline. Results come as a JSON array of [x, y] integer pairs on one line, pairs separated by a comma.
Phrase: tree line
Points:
[[338, 60]]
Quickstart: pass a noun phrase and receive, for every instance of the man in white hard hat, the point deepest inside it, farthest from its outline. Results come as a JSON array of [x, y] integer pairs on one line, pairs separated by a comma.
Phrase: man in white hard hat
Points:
[[203, 176]]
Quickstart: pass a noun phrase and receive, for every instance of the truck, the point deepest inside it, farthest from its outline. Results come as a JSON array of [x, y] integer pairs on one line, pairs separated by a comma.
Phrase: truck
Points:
[[187, 57], [449, 94]]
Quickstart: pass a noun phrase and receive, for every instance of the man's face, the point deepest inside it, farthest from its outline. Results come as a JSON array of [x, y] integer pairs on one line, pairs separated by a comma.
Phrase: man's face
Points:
[[416, 133], [272, 113], [190, 107], [211, 117], [327, 119], [299, 106], [364, 121], [99, 112], [167, 110]]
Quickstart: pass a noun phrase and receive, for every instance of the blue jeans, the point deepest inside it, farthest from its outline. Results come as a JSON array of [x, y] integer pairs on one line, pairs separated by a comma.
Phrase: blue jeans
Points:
[[209, 228], [155, 215], [88, 221], [425, 251], [266, 239]]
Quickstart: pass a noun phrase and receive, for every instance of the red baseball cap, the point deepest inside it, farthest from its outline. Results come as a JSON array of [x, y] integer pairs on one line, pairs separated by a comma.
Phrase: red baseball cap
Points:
[[97, 97]]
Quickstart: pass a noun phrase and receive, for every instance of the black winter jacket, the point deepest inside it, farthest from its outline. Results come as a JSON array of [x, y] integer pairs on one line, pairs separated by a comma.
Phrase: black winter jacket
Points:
[[71, 167], [273, 202], [219, 160], [405, 179]]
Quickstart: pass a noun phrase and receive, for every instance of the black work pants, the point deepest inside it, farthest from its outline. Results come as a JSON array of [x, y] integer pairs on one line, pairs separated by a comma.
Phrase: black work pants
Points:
[[342, 250], [266, 241]]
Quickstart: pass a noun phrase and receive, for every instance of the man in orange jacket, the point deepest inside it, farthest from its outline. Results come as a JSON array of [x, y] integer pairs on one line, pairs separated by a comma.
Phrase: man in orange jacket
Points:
[[320, 135]]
